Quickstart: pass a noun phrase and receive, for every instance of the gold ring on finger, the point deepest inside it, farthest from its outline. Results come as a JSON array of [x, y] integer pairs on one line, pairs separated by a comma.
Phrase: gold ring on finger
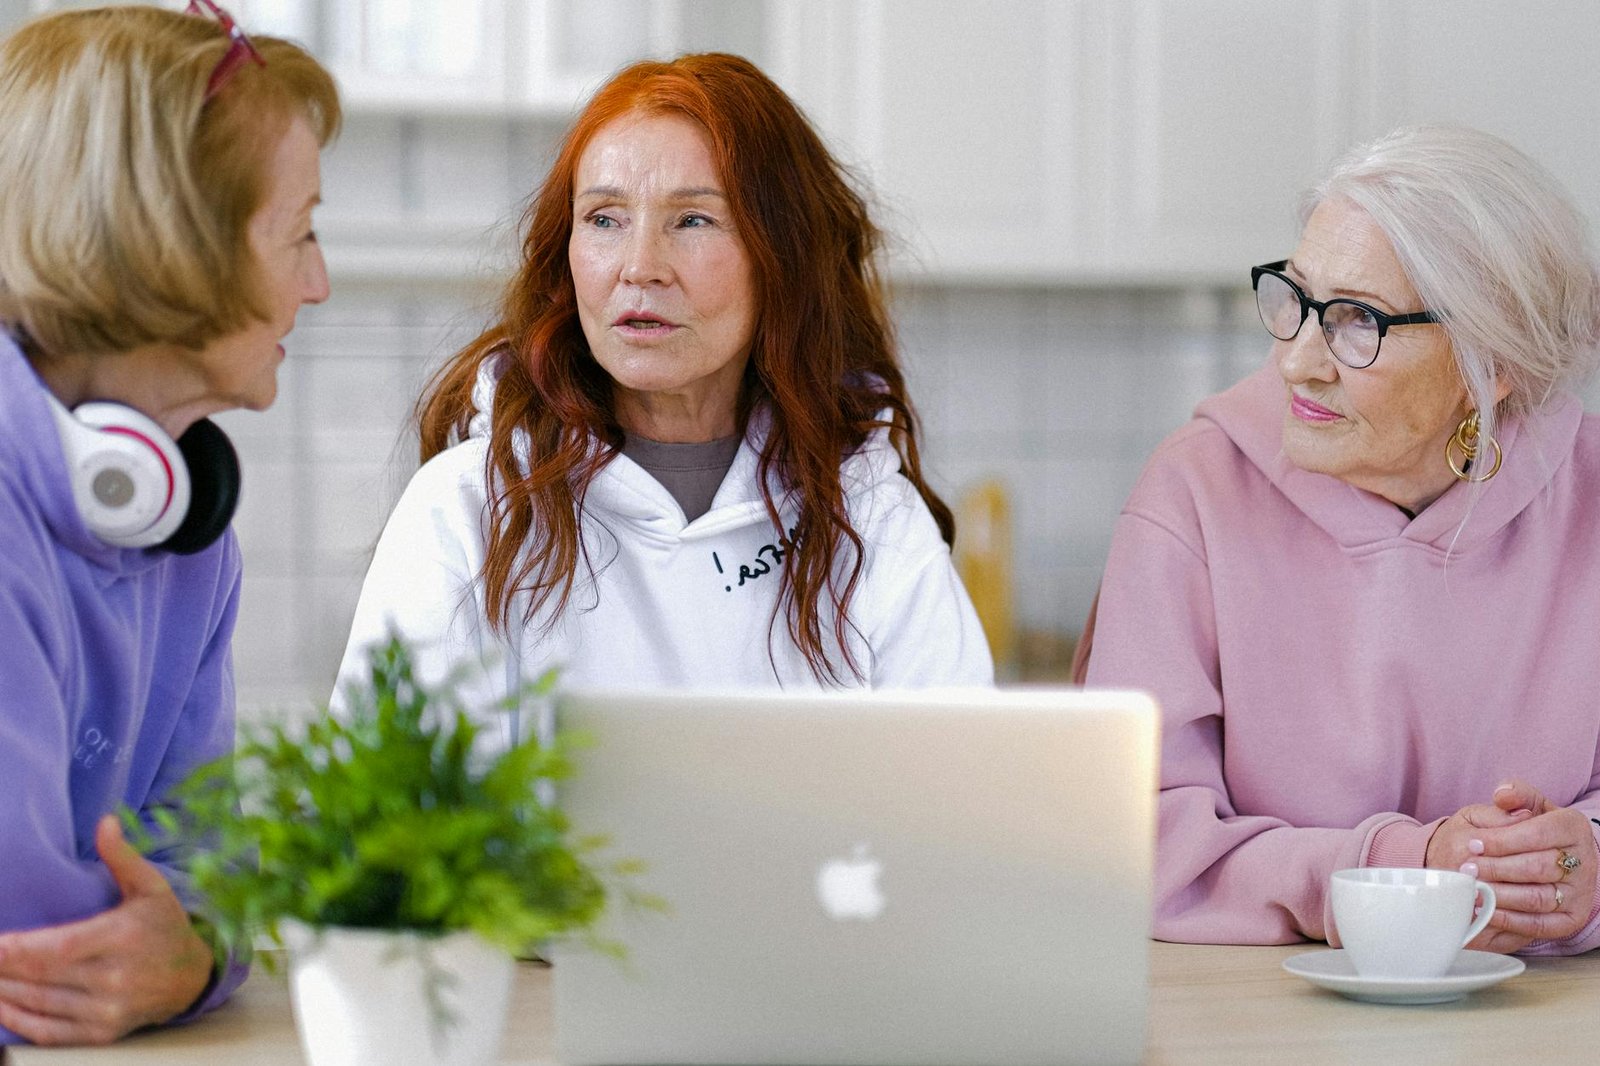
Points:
[[1560, 898], [1568, 862]]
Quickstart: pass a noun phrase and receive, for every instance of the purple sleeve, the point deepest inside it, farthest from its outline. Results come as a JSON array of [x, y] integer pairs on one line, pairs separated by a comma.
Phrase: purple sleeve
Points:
[[205, 732], [47, 879], [224, 982], [42, 880]]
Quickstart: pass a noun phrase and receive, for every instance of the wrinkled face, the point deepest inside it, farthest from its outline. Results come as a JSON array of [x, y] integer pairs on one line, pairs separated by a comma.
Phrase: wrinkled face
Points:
[[241, 369], [666, 296], [1382, 428]]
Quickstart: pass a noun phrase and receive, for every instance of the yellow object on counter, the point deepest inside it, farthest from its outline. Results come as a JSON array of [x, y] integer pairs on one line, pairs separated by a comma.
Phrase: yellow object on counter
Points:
[[984, 561]]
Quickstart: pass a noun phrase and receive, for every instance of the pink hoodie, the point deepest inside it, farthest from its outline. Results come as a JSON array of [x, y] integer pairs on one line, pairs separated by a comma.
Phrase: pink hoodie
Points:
[[1336, 678]]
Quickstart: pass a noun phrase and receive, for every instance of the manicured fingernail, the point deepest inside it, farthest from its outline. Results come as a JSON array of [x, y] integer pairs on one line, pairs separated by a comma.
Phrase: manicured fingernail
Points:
[[1475, 846], [1470, 869]]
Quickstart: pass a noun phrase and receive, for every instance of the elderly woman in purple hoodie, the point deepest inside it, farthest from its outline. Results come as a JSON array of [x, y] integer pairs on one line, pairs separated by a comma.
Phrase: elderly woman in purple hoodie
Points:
[[159, 172], [1364, 583]]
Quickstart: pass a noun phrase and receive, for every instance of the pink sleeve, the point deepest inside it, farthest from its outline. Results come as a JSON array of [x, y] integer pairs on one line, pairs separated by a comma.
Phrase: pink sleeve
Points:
[[1401, 843], [1221, 876]]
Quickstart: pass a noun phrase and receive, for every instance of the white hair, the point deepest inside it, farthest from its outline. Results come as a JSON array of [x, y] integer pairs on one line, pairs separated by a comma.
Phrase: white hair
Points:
[[1494, 244]]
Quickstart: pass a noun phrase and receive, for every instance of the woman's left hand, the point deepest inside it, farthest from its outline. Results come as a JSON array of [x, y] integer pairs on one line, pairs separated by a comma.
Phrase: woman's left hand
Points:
[[1539, 892], [90, 982]]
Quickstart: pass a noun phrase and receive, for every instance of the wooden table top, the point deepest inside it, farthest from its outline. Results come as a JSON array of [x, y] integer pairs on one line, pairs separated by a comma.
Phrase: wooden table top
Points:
[[1208, 1005]]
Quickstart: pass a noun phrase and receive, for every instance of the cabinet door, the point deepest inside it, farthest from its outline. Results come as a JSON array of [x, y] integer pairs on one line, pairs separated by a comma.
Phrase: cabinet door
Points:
[[1080, 140], [574, 45], [1224, 111], [294, 19], [415, 56], [539, 58], [960, 116], [1525, 71]]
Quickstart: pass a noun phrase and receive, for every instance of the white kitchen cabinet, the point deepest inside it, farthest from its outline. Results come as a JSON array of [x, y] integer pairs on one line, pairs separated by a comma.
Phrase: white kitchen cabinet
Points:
[[446, 136], [1077, 141], [512, 58], [283, 18], [419, 56], [1035, 142], [573, 45], [294, 19], [961, 116], [1221, 113], [1161, 141], [1525, 71]]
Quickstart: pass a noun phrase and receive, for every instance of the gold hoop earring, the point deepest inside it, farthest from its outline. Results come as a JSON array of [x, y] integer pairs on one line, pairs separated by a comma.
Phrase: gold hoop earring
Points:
[[1466, 442]]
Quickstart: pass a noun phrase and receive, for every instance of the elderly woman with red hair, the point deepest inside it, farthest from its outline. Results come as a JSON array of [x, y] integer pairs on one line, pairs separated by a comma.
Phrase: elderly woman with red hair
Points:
[[685, 454]]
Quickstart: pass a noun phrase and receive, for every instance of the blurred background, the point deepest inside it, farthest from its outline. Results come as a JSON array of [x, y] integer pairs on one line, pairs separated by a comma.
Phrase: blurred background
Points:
[[1076, 188]]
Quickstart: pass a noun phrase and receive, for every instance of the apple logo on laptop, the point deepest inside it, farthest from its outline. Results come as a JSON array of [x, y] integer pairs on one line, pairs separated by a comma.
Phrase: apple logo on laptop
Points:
[[848, 888]]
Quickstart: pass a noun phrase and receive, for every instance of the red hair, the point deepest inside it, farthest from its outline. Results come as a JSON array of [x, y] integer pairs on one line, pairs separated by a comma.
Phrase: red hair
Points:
[[822, 357]]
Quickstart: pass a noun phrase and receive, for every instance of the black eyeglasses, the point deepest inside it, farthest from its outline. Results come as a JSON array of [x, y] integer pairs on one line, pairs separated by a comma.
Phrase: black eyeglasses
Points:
[[1354, 330], [240, 50]]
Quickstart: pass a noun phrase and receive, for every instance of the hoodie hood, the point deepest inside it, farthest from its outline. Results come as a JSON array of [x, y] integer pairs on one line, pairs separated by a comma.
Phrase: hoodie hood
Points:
[[1251, 416], [624, 489]]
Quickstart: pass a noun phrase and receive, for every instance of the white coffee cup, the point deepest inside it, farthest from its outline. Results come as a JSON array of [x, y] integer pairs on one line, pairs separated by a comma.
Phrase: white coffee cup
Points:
[[1397, 922]]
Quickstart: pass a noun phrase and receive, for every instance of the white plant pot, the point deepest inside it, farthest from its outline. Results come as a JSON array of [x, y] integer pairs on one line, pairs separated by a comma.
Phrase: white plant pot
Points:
[[362, 997]]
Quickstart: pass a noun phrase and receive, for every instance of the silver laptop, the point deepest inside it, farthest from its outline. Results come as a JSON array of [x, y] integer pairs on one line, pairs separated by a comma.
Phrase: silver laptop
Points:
[[920, 878]]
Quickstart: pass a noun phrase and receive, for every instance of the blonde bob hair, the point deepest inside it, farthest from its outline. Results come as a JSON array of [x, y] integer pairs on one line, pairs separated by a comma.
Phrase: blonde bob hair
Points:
[[1495, 245], [126, 195]]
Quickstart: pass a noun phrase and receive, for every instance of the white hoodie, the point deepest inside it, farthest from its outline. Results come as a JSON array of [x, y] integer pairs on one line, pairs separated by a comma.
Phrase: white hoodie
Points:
[[671, 603]]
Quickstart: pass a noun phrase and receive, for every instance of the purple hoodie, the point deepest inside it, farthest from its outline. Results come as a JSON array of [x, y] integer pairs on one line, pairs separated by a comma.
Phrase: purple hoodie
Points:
[[115, 677], [1336, 678]]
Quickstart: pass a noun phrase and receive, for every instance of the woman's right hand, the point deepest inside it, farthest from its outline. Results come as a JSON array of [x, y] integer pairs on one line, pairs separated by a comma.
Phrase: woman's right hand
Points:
[[1548, 859], [1457, 844], [94, 980]]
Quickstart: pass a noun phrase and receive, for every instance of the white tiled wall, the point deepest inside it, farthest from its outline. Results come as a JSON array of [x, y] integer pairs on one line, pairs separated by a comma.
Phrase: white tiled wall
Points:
[[321, 470], [1060, 394]]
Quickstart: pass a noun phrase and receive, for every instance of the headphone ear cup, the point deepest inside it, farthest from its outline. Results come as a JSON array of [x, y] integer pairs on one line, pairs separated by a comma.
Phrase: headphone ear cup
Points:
[[129, 480], [213, 487]]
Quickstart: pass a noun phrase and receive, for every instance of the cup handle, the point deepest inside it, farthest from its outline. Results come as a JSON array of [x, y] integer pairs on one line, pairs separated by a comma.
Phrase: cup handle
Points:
[[1487, 895]]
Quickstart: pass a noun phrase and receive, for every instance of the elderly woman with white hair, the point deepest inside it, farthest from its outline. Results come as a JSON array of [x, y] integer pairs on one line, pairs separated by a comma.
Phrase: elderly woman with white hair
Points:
[[1364, 583]]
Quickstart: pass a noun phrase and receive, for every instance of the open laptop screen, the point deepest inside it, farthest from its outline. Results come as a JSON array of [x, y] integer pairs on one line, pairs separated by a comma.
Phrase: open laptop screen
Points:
[[919, 877]]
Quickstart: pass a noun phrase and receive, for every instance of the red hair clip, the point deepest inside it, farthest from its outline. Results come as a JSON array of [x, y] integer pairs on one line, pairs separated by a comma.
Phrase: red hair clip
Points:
[[239, 52]]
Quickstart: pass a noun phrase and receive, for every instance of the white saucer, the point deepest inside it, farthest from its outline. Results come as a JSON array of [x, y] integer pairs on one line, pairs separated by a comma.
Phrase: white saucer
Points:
[[1471, 971]]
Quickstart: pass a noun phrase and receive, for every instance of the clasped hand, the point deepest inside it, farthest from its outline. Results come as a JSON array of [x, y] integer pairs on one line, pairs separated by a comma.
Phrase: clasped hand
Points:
[[90, 982], [1515, 843]]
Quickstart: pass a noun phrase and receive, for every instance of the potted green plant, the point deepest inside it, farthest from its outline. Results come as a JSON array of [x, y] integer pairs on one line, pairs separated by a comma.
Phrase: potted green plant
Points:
[[399, 864]]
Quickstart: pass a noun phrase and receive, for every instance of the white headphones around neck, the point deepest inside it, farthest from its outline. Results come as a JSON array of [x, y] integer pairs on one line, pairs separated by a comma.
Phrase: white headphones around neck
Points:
[[136, 487]]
